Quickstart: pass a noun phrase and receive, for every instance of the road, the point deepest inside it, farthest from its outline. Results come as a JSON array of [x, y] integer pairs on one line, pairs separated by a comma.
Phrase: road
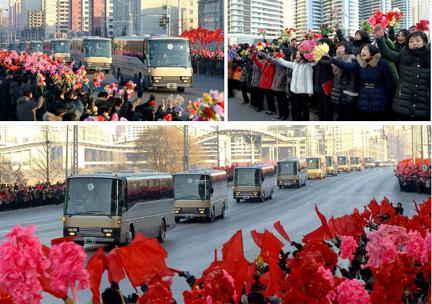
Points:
[[201, 84], [191, 245]]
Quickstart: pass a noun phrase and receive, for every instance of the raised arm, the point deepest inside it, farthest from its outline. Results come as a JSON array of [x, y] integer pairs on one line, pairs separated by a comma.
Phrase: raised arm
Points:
[[284, 63], [386, 52], [257, 62], [309, 78], [347, 66]]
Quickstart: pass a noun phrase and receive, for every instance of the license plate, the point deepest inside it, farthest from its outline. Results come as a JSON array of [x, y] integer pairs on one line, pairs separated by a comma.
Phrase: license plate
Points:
[[89, 240], [172, 86], [246, 197]]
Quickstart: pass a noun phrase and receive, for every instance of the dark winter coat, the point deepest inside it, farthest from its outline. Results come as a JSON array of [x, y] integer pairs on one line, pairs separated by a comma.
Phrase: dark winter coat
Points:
[[375, 82], [321, 75], [412, 97], [26, 108], [255, 78]]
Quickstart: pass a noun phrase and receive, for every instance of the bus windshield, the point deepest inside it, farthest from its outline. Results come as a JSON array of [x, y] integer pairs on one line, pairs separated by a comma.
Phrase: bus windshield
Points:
[[97, 48], [329, 161], [60, 46], [22, 47], [288, 168], [12, 46], [91, 196], [169, 53], [342, 160], [247, 177], [191, 187], [354, 161], [36, 47], [313, 163]]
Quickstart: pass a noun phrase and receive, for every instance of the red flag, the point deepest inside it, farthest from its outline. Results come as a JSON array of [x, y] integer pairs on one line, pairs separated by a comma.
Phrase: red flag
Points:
[[416, 207], [257, 237], [62, 240], [327, 87], [386, 207], [324, 223], [279, 228], [95, 267], [115, 268], [271, 246], [316, 235], [275, 275], [373, 207], [232, 250], [143, 259]]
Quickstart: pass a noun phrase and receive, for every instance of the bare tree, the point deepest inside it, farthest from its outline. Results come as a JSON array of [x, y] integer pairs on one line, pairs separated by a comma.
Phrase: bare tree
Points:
[[47, 166], [163, 148], [7, 174]]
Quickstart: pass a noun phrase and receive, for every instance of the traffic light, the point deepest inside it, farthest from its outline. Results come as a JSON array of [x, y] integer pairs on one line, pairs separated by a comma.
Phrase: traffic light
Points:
[[163, 21]]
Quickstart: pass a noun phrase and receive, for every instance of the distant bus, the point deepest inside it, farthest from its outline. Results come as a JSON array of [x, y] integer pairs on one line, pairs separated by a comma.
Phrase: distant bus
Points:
[[113, 208], [316, 167], [4, 46], [254, 182], [332, 165], [369, 162], [356, 163], [344, 163], [36, 47], [200, 194], [95, 53], [13, 46], [292, 172], [23, 47], [378, 163], [58, 48], [153, 62]]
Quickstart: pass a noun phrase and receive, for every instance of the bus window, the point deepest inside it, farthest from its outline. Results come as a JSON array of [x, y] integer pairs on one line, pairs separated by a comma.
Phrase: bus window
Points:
[[97, 48], [313, 163], [172, 53], [191, 187], [248, 177], [91, 196], [289, 168], [166, 188]]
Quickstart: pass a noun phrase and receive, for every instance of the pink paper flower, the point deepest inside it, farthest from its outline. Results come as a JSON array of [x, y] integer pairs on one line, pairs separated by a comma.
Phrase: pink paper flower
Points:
[[418, 247], [348, 247], [352, 292]]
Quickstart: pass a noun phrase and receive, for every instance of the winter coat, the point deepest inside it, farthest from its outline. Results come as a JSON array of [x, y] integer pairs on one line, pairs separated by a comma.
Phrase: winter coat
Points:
[[288, 73], [280, 79], [355, 45], [245, 72], [321, 75], [26, 108], [375, 82], [268, 71], [412, 97], [301, 80], [76, 106], [255, 78], [230, 69]]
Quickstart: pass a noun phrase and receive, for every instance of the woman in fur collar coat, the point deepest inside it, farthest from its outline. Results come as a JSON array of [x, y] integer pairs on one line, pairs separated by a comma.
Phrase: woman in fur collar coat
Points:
[[375, 82]]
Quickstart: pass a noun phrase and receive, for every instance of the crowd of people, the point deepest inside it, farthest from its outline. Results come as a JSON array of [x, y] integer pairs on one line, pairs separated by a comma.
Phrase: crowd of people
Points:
[[380, 74], [18, 196], [208, 66], [38, 88]]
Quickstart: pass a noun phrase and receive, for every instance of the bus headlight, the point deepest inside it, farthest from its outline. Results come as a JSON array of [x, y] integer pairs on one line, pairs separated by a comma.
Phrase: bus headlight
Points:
[[63, 219], [177, 210], [201, 210], [72, 233], [108, 234]]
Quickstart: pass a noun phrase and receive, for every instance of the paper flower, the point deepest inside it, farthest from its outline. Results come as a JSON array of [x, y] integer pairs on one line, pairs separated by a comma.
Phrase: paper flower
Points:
[[320, 51], [262, 31], [378, 18], [307, 48], [422, 25], [98, 77], [352, 292], [348, 247]]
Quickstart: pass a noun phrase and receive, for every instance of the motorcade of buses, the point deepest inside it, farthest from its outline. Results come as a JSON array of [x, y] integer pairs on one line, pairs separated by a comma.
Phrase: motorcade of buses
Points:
[[58, 48], [292, 172], [331, 165], [369, 162], [94, 53], [316, 167], [344, 163], [378, 163], [200, 194], [36, 47], [13, 46], [356, 163], [23, 46], [114, 207], [153, 62], [254, 182]]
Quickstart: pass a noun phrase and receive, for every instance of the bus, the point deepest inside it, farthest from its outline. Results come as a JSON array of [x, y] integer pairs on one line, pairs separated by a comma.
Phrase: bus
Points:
[[23, 47], [58, 48], [356, 163], [95, 53], [153, 62], [13, 46], [343, 163], [369, 162], [316, 167], [254, 182], [113, 207], [292, 172], [200, 194], [36, 47], [332, 166]]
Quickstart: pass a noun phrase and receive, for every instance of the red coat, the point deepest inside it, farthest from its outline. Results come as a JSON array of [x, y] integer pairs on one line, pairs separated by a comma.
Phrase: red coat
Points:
[[268, 71]]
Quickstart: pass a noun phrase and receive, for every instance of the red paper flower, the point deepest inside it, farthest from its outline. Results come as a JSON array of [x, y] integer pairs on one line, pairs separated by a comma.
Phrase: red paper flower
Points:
[[168, 117], [422, 25], [152, 103]]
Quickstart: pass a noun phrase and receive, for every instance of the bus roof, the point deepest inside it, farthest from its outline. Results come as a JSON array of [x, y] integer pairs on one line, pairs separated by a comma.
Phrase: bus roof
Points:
[[257, 166], [210, 172], [109, 175], [294, 159], [92, 38], [139, 38]]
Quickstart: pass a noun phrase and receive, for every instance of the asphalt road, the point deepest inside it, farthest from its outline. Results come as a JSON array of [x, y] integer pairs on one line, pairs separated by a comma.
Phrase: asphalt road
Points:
[[200, 85], [191, 245]]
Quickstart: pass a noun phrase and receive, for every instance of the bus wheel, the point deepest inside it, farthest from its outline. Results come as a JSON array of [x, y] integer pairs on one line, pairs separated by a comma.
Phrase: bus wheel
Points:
[[119, 77], [180, 89], [162, 232], [211, 216], [262, 199], [130, 234], [271, 194], [223, 211], [237, 200]]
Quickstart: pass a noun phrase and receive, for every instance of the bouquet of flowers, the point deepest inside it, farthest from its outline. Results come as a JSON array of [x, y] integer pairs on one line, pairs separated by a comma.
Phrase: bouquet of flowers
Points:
[[232, 53], [422, 25], [320, 51], [262, 32], [307, 48], [310, 35], [209, 107], [326, 29], [394, 16], [287, 34], [367, 27], [378, 18]]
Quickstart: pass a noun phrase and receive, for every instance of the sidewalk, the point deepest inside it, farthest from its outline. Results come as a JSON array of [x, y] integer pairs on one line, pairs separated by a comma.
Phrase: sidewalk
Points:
[[237, 111]]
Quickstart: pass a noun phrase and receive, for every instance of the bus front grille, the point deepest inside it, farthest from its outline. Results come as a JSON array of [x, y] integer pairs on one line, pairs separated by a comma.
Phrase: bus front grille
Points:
[[91, 232]]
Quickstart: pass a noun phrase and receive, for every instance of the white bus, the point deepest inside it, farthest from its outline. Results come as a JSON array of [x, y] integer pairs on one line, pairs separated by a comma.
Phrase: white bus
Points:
[[114, 207], [36, 47], [58, 48], [254, 182], [153, 62], [95, 53]]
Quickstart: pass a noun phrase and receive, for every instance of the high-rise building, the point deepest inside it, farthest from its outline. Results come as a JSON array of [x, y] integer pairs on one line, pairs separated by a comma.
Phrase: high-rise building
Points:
[[419, 9], [246, 17], [367, 8], [80, 16], [343, 12], [56, 18], [35, 19], [211, 14], [190, 18], [19, 10], [405, 7], [102, 17]]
